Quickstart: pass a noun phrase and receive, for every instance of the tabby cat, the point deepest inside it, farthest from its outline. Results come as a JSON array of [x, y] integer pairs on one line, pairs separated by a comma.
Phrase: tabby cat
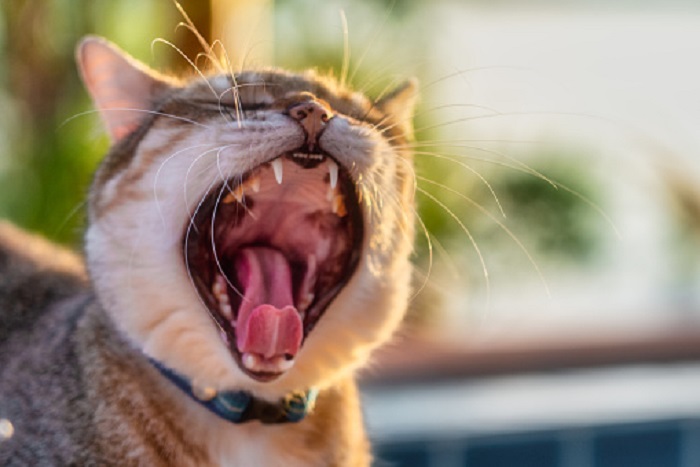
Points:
[[247, 246]]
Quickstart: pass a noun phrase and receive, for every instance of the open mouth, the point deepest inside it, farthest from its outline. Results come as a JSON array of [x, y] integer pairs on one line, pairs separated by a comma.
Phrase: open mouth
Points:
[[268, 251]]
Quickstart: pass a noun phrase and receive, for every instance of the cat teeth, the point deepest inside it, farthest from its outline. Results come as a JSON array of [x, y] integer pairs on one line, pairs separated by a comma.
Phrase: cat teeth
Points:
[[229, 198], [285, 364], [306, 155], [278, 364], [254, 183], [250, 361], [278, 169], [235, 194], [306, 289], [238, 193], [338, 206], [227, 311], [304, 304], [333, 172], [218, 288]]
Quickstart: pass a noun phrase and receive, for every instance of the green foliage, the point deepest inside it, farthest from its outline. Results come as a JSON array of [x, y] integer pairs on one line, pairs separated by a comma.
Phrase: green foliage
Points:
[[51, 138]]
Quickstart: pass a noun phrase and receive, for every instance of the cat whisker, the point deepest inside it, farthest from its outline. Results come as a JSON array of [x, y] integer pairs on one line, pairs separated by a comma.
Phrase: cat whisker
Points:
[[158, 172], [463, 143], [424, 228], [378, 28], [187, 59], [391, 85], [128, 109], [73, 212], [474, 172], [187, 259], [237, 193], [522, 166], [500, 224], [384, 129], [202, 42], [346, 50], [429, 241], [462, 72], [528, 113], [469, 235], [191, 166], [213, 244], [234, 83]]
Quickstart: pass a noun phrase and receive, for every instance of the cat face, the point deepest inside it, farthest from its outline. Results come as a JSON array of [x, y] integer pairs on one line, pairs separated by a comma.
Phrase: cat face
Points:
[[250, 231]]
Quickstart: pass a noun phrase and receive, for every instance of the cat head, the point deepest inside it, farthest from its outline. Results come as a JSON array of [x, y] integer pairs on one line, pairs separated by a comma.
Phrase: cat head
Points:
[[249, 230]]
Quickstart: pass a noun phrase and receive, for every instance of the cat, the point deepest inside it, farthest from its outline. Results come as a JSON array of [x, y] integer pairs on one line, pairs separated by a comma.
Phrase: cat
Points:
[[247, 247]]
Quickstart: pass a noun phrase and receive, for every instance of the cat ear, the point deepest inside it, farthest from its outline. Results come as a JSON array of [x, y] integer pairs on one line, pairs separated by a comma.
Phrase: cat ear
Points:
[[400, 104], [122, 88]]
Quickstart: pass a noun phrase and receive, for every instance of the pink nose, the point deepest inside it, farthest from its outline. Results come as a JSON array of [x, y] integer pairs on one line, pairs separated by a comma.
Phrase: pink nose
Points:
[[313, 116]]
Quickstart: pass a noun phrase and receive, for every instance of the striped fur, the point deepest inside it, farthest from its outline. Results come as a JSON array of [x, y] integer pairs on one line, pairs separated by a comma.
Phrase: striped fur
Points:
[[74, 379]]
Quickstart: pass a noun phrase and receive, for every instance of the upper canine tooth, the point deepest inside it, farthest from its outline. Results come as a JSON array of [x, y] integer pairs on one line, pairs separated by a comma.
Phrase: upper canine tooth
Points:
[[277, 167], [333, 172]]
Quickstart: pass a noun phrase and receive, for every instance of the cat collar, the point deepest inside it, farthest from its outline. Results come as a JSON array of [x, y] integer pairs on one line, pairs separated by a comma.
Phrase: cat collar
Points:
[[242, 406]]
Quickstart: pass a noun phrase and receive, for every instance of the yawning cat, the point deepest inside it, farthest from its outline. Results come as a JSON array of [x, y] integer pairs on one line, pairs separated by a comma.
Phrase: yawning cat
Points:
[[247, 247]]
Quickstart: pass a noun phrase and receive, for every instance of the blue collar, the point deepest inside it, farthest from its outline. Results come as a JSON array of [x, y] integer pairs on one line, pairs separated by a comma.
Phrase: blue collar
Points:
[[241, 406]]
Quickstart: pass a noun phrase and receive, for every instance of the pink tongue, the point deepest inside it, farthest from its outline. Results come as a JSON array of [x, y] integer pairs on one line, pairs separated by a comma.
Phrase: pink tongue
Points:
[[268, 324]]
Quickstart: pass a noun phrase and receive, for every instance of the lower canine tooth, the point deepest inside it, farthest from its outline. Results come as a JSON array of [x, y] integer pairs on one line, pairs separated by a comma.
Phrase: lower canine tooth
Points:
[[250, 361], [284, 364]]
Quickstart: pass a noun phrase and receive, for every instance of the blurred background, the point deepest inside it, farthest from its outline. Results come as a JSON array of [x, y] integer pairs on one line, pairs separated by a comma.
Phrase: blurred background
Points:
[[557, 319]]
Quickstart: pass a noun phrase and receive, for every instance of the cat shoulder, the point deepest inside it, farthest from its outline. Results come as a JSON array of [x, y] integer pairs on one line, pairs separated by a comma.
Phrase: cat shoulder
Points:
[[34, 273]]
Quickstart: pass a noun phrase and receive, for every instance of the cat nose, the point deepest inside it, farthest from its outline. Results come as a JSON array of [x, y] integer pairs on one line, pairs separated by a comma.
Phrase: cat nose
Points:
[[313, 116]]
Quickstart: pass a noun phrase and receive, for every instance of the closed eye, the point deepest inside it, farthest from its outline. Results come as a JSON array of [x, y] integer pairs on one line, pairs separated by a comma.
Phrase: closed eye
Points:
[[229, 106]]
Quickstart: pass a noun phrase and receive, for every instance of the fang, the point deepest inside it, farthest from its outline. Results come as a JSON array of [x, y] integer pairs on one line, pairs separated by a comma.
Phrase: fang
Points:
[[333, 173], [250, 361], [278, 169]]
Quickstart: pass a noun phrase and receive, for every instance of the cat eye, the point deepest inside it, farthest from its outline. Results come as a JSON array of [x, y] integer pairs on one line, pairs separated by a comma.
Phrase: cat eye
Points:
[[230, 106]]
